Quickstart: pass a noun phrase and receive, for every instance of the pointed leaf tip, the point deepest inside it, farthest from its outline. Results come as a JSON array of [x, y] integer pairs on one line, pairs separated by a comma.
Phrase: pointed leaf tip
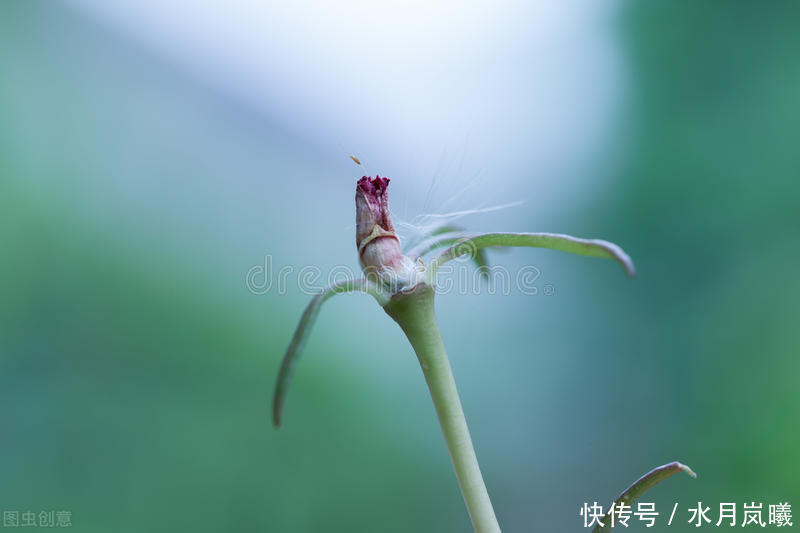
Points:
[[642, 485]]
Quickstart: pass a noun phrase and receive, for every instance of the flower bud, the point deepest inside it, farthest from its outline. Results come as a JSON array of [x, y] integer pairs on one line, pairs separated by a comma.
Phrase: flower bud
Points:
[[378, 246]]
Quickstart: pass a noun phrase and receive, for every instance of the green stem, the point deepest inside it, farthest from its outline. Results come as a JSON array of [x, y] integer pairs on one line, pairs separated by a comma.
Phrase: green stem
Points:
[[414, 312]]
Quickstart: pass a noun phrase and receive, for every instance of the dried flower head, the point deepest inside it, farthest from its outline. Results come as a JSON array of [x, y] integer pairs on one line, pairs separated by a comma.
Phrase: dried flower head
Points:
[[379, 249]]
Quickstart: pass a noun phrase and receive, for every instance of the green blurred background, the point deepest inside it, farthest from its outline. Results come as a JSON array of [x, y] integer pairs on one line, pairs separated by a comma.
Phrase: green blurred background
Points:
[[136, 369]]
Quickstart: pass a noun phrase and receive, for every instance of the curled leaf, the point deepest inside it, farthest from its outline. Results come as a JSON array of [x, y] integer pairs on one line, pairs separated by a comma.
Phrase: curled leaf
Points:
[[642, 485], [303, 331], [554, 241]]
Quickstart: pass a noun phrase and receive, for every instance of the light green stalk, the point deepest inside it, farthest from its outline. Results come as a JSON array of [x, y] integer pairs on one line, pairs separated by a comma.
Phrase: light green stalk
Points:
[[414, 312]]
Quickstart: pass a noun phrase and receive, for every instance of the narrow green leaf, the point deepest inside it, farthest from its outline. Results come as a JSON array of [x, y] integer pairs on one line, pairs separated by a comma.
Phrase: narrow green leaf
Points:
[[303, 331], [434, 242], [437, 238], [565, 243], [642, 485], [448, 236], [482, 262]]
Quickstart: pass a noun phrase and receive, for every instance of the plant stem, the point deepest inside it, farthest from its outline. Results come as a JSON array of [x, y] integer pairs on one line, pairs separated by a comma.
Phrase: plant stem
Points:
[[414, 312]]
